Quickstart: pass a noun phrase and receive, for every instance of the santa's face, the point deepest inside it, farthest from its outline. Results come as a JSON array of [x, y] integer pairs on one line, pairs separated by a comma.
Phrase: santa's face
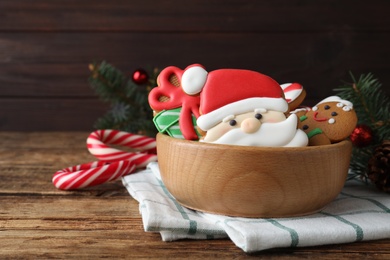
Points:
[[257, 128]]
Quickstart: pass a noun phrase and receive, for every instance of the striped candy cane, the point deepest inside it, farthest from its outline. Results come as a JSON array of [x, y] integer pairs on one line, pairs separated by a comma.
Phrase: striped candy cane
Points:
[[113, 164]]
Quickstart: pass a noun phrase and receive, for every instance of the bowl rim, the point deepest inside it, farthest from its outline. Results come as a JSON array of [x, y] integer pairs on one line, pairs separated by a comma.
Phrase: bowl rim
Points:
[[199, 144]]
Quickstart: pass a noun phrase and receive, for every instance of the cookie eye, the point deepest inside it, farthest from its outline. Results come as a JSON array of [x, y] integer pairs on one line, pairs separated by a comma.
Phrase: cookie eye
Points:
[[259, 116], [347, 108], [305, 127], [326, 107], [232, 122], [334, 114]]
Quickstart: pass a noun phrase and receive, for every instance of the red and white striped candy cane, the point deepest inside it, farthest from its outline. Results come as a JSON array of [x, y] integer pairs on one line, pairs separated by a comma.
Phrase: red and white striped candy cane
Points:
[[113, 164], [98, 142]]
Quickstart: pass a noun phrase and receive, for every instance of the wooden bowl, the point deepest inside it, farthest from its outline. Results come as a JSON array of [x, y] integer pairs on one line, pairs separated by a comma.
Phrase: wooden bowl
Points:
[[252, 181]]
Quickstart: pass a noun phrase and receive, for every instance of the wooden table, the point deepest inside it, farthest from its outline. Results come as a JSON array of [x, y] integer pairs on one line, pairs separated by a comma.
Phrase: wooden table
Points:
[[39, 221]]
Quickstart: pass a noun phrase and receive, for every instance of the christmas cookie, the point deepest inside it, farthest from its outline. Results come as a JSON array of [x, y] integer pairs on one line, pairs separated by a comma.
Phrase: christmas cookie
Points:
[[242, 107], [294, 93], [168, 95], [331, 120]]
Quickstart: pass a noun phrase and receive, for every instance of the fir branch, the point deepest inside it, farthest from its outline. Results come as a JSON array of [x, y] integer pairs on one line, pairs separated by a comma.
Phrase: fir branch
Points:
[[130, 110], [363, 102], [107, 81], [372, 107], [370, 101]]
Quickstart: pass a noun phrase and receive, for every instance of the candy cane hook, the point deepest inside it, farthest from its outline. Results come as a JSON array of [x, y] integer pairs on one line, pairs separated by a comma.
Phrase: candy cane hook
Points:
[[113, 164]]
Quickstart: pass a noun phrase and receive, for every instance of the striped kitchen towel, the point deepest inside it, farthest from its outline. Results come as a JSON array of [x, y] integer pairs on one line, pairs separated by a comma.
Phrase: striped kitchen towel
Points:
[[359, 213]]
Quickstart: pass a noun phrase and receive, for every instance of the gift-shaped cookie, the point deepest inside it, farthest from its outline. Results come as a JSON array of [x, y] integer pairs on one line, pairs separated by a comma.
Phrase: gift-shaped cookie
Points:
[[169, 95]]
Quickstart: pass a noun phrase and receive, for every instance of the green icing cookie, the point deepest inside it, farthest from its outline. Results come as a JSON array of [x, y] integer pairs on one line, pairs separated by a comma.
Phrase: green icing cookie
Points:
[[167, 121]]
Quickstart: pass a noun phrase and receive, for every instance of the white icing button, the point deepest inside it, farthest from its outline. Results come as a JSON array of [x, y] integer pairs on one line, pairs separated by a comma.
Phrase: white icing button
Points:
[[347, 108], [331, 121], [315, 108], [340, 105]]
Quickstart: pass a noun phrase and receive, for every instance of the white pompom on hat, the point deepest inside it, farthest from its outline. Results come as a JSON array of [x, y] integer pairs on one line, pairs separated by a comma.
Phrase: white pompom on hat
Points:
[[193, 79], [227, 92]]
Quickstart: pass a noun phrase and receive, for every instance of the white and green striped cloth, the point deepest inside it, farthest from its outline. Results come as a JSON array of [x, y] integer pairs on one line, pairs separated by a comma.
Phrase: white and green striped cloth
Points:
[[359, 213]]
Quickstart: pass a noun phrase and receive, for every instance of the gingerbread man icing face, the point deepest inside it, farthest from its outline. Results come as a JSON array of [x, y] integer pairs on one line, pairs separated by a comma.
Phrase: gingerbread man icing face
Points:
[[332, 120]]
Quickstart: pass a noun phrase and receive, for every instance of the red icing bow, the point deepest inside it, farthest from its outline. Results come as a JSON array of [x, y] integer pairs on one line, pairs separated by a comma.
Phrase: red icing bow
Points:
[[175, 98]]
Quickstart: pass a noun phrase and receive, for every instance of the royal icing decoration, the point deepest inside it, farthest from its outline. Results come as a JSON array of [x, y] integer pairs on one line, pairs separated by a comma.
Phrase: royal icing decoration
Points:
[[169, 95], [333, 119], [193, 79], [247, 132], [291, 91], [226, 97], [167, 121], [232, 91]]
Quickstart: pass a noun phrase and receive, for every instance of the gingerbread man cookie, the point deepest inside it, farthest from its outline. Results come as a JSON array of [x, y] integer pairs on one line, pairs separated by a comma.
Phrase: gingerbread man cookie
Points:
[[331, 120]]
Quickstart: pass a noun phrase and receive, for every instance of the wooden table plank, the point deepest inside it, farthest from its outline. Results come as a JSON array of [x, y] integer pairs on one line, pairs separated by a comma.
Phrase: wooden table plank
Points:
[[39, 221]]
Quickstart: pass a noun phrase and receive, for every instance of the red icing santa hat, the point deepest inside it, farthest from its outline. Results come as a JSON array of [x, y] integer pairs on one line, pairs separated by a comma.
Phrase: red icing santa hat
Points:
[[227, 92]]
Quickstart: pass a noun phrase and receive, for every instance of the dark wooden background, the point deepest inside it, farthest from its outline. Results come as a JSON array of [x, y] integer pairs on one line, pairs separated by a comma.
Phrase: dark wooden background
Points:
[[46, 46]]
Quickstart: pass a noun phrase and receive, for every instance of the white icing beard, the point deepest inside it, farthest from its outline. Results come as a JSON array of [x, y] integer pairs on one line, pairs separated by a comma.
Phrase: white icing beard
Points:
[[282, 134]]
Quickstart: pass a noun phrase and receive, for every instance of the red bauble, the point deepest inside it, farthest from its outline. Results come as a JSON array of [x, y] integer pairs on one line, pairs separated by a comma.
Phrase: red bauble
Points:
[[140, 76], [361, 136]]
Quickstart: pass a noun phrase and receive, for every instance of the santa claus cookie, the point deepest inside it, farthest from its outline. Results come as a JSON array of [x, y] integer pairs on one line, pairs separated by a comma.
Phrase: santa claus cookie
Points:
[[331, 120], [242, 107]]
